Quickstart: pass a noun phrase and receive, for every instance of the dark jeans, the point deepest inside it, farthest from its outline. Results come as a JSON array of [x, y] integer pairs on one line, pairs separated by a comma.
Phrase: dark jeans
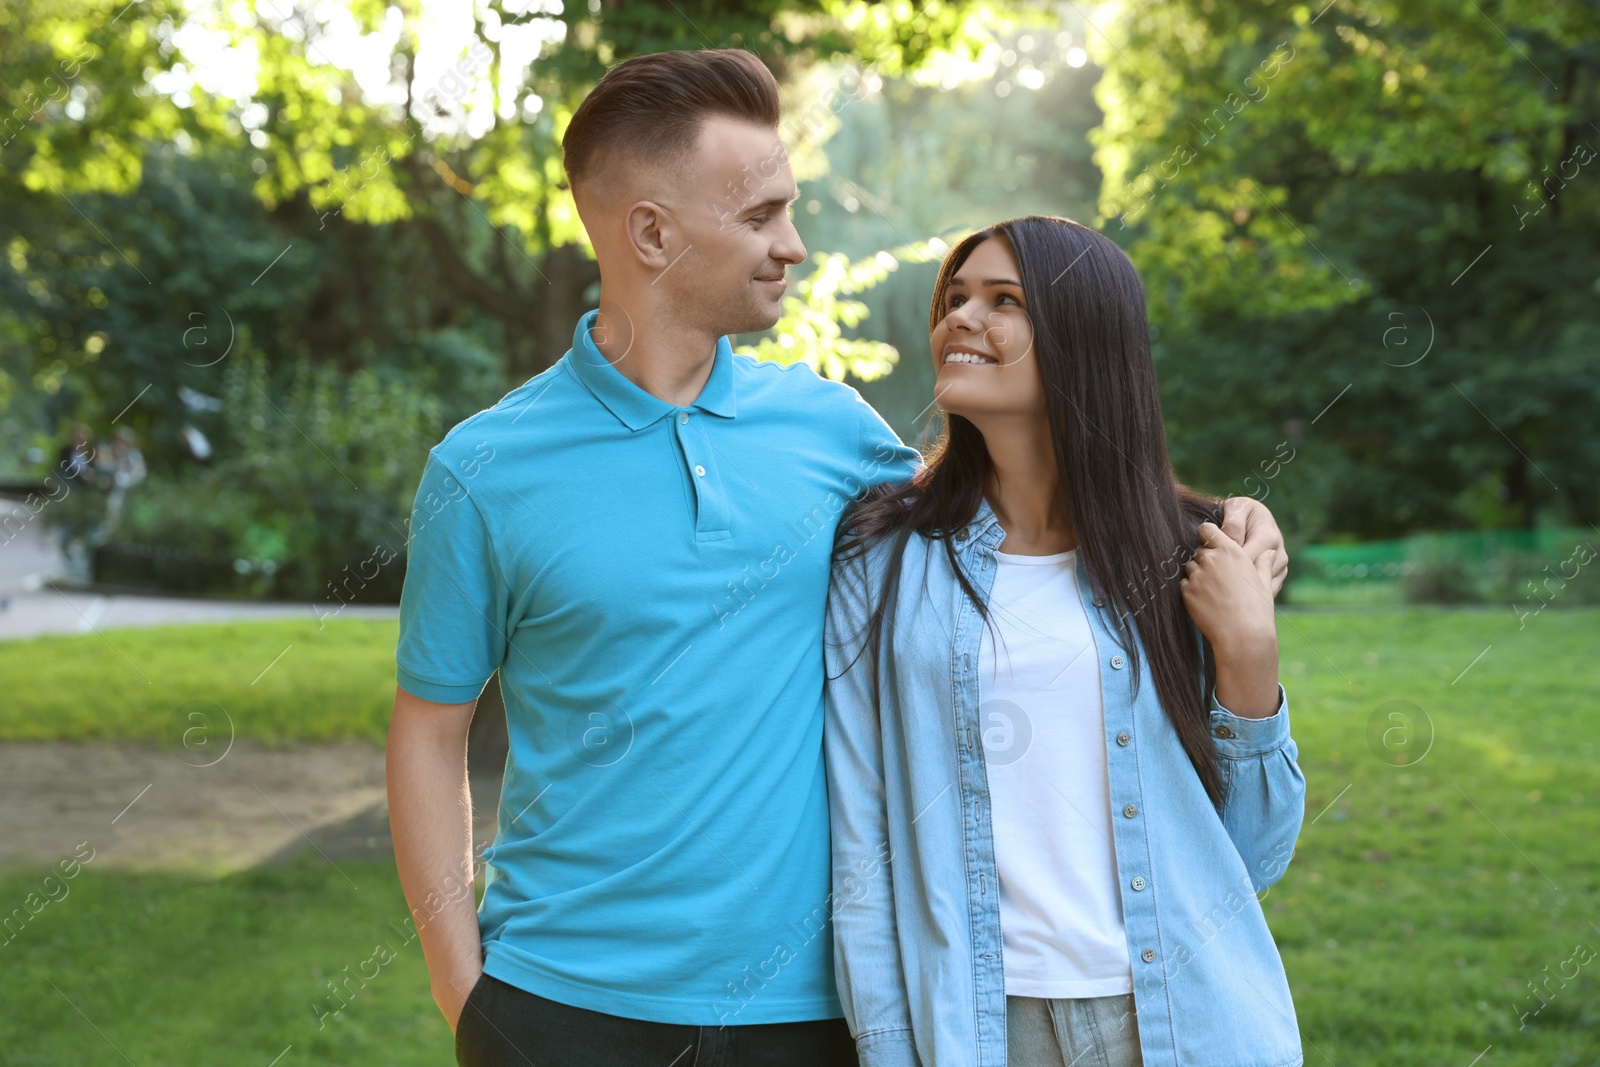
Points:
[[504, 1026]]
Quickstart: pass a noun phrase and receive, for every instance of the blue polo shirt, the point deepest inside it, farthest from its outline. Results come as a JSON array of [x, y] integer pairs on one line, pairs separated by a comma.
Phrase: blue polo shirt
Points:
[[650, 581]]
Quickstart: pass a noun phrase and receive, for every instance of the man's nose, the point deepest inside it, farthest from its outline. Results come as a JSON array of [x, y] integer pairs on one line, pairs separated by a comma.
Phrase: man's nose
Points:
[[789, 248]]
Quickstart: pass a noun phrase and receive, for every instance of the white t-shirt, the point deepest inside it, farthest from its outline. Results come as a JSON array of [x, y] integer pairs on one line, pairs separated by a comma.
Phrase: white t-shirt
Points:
[[1043, 725]]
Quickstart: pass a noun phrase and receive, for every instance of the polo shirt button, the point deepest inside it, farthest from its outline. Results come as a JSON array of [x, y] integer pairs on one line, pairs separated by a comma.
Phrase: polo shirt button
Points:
[[1223, 731], [1131, 810], [1138, 883], [1123, 738], [1116, 663], [1099, 601], [683, 417], [1148, 955], [699, 471]]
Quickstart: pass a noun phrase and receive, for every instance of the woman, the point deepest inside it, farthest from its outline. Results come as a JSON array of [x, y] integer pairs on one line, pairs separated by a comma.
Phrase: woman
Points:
[[1053, 803]]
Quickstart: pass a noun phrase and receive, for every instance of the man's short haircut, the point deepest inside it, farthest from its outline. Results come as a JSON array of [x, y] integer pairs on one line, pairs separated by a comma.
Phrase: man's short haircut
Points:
[[652, 107]]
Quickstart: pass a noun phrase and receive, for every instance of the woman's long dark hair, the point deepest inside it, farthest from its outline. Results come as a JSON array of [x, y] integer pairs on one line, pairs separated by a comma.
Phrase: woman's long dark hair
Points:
[[1136, 524]]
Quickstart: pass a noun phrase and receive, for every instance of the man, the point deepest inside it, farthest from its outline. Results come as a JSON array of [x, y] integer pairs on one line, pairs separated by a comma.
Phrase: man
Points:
[[638, 540]]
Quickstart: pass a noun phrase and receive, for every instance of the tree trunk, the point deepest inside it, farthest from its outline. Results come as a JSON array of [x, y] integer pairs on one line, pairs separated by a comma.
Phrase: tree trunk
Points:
[[1518, 490], [569, 273]]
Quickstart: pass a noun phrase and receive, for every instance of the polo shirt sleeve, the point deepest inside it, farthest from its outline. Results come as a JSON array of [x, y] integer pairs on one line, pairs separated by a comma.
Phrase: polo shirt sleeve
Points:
[[883, 457], [454, 601]]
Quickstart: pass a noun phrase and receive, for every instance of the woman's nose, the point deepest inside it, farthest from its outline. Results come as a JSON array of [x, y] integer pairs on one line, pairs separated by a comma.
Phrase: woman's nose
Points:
[[962, 318]]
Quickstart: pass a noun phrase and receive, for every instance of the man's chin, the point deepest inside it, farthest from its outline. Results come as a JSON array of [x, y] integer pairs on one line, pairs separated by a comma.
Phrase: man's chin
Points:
[[758, 319]]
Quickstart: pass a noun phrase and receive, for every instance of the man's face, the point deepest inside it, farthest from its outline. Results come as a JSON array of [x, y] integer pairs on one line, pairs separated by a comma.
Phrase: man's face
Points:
[[732, 206]]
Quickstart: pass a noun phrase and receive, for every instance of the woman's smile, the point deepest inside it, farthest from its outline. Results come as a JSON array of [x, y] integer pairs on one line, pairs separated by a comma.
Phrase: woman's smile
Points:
[[963, 354]]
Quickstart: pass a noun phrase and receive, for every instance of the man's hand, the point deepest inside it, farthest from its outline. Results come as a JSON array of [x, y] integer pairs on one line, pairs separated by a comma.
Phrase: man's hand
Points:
[[1247, 521], [452, 996], [430, 822]]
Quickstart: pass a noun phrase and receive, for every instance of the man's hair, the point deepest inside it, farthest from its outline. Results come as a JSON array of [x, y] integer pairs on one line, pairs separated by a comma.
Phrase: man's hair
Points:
[[652, 107]]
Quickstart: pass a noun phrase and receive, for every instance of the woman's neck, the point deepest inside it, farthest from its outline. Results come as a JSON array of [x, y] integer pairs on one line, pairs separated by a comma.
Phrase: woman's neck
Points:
[[1024, 489]]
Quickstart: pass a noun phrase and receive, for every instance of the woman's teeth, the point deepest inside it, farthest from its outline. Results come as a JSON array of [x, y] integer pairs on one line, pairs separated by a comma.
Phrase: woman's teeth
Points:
[[966, 357]]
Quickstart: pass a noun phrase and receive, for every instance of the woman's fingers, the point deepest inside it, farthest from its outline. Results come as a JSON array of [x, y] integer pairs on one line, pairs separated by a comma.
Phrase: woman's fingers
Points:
[[1265, 566]]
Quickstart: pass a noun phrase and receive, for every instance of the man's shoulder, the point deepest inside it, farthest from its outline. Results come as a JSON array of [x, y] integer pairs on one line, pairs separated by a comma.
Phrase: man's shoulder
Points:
[[522, 412], [791, 383]]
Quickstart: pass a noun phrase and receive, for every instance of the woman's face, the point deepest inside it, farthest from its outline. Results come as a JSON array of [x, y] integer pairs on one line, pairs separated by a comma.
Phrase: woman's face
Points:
[[983, 355]]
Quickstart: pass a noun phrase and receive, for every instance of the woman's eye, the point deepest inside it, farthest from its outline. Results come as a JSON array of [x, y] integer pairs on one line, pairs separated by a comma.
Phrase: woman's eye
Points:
[[956, 301], [1008, 296]]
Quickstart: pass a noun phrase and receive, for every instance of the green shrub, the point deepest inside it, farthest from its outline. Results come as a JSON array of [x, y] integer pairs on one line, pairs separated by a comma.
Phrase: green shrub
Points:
[[307, 497], [1439, 580]]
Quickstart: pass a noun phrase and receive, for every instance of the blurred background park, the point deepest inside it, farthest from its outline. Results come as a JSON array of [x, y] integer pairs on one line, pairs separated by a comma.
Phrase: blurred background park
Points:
[[259, 256]]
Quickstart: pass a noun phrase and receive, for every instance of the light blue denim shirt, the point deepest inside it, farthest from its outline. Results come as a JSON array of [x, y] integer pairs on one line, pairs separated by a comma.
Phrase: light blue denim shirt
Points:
[[916, 894]]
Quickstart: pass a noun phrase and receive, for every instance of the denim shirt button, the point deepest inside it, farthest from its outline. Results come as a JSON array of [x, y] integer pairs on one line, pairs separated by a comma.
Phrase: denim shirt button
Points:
[[1099, 601], [961, 535], [1123, 738], [1223, 731], [1116, 663], [1148, 955], [1131, 810], [1138, 883]]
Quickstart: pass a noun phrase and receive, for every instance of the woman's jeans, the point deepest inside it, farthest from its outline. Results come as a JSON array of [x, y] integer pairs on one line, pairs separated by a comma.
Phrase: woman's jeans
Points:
[[504, 1026], [1091, 1032]]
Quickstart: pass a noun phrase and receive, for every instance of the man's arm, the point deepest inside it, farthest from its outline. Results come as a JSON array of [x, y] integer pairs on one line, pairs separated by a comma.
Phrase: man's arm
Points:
[[1248, 522], [430, 819]]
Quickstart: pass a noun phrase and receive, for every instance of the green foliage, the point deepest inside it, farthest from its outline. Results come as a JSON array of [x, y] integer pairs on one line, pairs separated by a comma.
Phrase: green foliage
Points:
[[161, 209], [309, 497], [972, 143], [811, 329], [1398, 198]]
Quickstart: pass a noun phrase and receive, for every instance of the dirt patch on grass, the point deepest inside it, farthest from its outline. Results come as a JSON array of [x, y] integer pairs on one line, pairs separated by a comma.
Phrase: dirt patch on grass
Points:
[[143, 806]]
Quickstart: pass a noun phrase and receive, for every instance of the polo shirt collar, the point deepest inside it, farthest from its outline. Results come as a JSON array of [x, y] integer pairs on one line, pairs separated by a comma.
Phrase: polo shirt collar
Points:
[[634, 407]]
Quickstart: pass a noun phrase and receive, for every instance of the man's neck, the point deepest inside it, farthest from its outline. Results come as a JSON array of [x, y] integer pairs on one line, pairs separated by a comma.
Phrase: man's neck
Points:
[[665, 357]]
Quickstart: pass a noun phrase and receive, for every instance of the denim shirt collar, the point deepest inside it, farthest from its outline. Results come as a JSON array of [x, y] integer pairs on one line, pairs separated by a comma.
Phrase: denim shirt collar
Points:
[[984, 529]]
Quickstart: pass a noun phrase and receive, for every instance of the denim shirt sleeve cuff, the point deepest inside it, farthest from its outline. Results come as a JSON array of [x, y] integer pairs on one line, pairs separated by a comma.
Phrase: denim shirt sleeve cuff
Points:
[[1239, 737], [887, 1048]]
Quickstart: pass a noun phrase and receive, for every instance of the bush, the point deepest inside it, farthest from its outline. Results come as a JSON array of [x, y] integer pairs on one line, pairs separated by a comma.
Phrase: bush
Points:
[[1439, 580], [307, 499], [1562, 578]]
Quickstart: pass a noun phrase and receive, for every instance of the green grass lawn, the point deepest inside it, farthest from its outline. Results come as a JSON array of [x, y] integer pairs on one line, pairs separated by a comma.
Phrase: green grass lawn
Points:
[[277, 681], [167, 969], [1425, 900]]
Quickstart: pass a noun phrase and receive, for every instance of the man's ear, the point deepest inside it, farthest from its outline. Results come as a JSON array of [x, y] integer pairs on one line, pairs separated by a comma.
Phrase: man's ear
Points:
[[651, 233]]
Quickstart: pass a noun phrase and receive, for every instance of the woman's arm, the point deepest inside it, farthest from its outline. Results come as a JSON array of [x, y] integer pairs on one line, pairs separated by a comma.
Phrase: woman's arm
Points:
[[872, 987], [1226, 595], [1227, 598]]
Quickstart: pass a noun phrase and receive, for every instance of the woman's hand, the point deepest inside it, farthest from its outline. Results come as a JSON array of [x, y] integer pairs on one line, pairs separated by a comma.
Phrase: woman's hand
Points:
[[1249, 522], [1227, 597]]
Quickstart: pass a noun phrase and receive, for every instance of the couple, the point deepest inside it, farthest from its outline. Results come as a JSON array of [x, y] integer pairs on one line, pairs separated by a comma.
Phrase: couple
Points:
[[1058, 765]]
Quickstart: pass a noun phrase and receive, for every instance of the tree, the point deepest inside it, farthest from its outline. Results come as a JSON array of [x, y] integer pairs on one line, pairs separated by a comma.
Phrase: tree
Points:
[[464, 154], [1317, 197]]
